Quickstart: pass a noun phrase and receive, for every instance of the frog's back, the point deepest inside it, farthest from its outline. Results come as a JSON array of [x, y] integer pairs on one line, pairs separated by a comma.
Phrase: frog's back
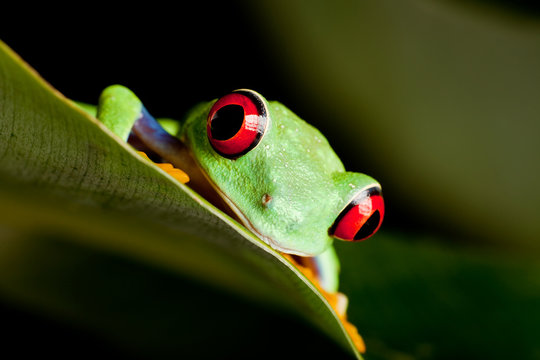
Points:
[[304, 138]]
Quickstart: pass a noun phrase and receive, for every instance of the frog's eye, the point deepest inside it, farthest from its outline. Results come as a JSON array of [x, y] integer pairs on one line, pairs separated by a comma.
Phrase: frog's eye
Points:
[[361, 218], [236, 123]]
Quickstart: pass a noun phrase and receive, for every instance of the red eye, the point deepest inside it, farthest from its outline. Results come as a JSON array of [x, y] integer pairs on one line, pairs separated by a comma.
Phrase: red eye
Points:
[[236, 123], [361, 218]]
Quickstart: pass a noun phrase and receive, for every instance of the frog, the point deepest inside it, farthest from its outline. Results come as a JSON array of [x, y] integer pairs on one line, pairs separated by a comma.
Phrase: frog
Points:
[[261, 164]]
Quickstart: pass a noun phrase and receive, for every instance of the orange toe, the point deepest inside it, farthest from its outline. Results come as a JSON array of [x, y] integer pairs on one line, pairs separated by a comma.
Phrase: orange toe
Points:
[[176, 173]]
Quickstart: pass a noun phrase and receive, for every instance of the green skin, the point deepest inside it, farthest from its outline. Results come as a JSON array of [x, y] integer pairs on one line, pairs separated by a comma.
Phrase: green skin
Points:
[[293, 164]]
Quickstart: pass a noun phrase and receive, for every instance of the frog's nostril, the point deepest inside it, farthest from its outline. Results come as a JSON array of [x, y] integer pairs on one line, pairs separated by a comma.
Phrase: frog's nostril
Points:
[[266, 199]]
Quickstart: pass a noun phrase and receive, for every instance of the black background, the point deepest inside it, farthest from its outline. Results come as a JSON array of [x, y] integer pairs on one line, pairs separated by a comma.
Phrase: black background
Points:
[[171, 58]]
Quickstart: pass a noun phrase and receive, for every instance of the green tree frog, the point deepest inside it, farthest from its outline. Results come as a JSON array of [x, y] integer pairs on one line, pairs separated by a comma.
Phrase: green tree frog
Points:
[[259, 162]]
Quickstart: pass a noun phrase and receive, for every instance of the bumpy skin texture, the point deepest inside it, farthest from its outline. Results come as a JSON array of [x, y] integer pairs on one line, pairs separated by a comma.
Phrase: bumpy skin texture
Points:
[[295, 166]]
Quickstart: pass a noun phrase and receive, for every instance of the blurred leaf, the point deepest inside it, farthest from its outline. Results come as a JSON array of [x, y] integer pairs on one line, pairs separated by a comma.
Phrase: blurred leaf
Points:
[[73, 196], [418, 299], [438, 99]]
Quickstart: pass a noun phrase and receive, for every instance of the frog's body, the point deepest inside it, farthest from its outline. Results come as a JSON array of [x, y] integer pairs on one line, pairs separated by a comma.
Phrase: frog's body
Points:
[[285, 183]]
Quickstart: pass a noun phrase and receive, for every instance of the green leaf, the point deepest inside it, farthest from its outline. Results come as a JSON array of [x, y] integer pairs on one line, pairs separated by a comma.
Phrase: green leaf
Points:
[[77, 203], [418, 298]]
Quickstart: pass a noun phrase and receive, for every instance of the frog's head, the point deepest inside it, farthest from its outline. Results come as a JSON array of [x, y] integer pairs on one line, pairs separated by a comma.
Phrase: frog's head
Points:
[[279, 174]]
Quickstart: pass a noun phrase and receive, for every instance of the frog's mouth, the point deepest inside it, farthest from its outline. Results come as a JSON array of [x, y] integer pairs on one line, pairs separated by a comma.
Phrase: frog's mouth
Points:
[[241, 218]]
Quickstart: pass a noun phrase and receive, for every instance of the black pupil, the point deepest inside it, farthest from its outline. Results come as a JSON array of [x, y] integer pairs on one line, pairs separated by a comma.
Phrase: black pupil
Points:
[[369, 226], [227, 121]]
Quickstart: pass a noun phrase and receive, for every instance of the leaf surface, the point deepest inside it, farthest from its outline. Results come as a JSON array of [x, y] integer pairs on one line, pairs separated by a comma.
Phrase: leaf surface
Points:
[[75, 196]]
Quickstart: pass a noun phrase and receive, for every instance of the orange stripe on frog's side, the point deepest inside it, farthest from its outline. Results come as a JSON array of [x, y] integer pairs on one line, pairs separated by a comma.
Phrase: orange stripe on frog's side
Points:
[[336, 302]]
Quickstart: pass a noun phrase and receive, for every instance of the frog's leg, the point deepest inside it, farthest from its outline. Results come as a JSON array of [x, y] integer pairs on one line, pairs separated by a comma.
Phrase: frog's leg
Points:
[[325, 268], [123, 113], [323, 271], [119, 109]]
